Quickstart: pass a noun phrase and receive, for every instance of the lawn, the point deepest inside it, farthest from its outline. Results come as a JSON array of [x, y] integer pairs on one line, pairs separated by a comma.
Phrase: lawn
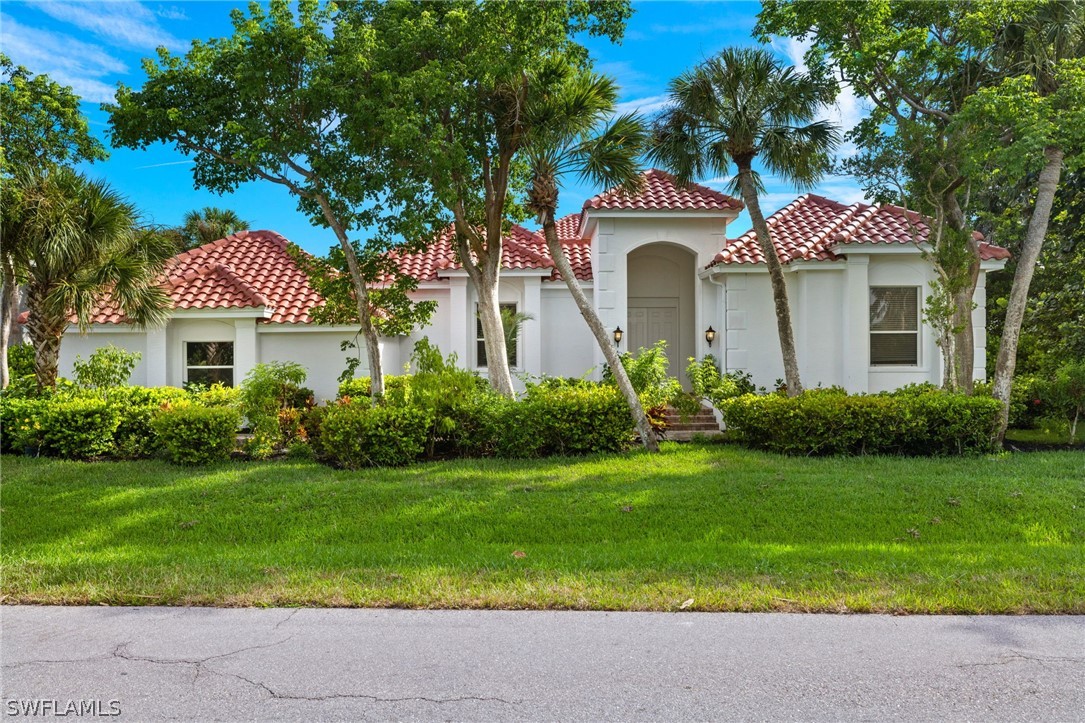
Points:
[[725, 528]]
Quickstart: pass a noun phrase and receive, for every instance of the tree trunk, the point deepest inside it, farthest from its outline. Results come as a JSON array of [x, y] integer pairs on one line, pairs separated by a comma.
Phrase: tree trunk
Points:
[[493, 331], [484, 269], [9, 308], [1026, 264], [46, 334], [602, 337], [361, 297], [776, 276], [958, 375]]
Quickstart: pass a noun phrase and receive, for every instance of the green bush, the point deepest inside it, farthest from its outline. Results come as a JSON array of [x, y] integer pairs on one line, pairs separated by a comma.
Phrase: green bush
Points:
[[19, 426], [355, 435], [359, 387], [567, 421], [648, 374], [707, 382], [271, 396], [1063, 397], [78, 428], [136, 408], [108, 367], [1026, 407], [21, 361], [217, 395], [193, 435], [828, 421]]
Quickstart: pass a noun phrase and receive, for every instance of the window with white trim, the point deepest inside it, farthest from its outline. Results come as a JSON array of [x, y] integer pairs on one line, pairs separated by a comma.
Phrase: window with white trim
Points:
[[894, 326], [510, 340], [209, 362]]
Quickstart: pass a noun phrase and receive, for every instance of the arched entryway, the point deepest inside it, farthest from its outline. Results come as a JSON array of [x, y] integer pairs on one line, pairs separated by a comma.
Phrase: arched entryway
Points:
[[661, 279]]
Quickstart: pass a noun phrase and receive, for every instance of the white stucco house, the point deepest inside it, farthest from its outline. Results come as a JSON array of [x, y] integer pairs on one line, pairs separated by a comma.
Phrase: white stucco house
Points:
[[659, 264]]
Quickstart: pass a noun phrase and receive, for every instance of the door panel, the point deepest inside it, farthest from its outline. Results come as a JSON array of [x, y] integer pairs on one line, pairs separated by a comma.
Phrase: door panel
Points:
[[651, 320]]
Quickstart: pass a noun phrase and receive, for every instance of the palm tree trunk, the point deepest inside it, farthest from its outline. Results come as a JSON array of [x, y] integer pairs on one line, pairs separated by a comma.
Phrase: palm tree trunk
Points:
[[361, 297], [776, 277], [46, 334], [610, 352], [9, 308], [1026, 264]]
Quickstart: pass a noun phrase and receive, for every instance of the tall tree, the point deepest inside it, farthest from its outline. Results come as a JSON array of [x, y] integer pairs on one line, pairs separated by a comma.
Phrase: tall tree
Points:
[[202, 226], [740, 107], [41, 126], [292, 100], [1023, 130], [568, 134], [917, 63], [75, 242], [459, 76]]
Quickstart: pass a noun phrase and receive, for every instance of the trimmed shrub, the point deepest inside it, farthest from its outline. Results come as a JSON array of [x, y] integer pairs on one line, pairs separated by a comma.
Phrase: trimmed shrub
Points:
[[19, 427], [136, 408], [78, 428], [828, 421], [21, 361], [567, 421], [218, 395], [359, 387], [193, 435], [356, 435]]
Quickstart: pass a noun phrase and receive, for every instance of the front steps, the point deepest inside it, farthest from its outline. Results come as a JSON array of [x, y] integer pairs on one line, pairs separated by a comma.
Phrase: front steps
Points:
[[701, 424]]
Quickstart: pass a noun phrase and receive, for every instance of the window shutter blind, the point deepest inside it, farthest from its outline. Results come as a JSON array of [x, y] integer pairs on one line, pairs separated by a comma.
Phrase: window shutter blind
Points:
[[894, 308]]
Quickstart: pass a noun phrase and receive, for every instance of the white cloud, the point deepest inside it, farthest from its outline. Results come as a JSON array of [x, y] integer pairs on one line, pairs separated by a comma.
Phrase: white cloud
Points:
[[126, 24], [848, 109], [644, 106], [168, 163], [64, 59], [171, 13], [628, 78]]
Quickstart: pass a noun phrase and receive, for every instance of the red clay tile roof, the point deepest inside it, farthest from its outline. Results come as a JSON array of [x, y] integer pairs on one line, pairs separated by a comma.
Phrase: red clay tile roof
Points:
[[814, 228], [662, 193], [524, 250], [246, 270]]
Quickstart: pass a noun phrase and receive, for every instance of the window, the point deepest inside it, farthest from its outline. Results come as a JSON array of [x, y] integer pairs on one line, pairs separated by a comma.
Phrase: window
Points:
[[894, 325], [209, 362], [508, 315]]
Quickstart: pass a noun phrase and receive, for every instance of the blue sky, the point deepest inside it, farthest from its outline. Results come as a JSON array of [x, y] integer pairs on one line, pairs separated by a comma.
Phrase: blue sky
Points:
[[92, 46]]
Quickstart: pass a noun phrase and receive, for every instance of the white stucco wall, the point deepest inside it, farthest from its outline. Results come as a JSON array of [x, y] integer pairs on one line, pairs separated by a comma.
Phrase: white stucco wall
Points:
[[75, 345], [568, 346]]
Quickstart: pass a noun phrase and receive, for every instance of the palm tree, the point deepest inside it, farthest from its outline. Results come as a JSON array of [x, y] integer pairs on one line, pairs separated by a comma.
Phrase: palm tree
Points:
[[209, 224], [73, 241], [740, 106], [567, 135]]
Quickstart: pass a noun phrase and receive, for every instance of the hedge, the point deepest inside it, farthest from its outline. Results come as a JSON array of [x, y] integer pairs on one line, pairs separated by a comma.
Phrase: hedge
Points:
[[565, 420], [197, 435], [355, 435], [828, 422]]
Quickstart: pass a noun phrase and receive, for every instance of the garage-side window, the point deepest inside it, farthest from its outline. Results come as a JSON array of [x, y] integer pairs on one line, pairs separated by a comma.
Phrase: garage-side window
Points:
[[894, 325], [209, 362]]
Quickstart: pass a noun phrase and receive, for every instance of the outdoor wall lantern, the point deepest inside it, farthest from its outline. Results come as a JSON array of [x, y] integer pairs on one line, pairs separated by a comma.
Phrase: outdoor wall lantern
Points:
[[618, 334], [710, 336]]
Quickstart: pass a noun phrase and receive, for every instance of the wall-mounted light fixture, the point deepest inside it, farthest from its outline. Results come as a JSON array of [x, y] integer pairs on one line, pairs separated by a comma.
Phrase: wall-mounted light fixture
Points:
[[710, 336], [618, 334]]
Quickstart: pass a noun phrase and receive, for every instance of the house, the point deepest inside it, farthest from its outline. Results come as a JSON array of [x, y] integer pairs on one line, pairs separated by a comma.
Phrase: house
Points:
[[659, 264]]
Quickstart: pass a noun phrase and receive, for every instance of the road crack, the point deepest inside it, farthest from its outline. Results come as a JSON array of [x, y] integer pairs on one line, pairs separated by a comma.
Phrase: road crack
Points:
[[1016, 656]]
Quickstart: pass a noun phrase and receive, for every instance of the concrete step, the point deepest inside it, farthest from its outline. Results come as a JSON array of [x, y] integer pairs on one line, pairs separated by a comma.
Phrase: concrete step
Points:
[[707, 427], [673, 435]]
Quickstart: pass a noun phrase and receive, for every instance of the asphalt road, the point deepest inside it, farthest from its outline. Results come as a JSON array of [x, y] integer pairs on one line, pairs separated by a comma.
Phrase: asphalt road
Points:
[[214, 664]]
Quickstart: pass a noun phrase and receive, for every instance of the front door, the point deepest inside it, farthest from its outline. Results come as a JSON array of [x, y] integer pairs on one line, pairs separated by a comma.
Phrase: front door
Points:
[[652, 319]]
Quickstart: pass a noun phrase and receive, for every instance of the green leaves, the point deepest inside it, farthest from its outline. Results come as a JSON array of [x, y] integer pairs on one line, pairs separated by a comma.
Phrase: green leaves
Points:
[[42, 124]]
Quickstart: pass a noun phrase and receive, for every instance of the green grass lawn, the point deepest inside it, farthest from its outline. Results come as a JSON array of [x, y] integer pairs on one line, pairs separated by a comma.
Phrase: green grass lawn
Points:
[[1051, 432], [726, 528]]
